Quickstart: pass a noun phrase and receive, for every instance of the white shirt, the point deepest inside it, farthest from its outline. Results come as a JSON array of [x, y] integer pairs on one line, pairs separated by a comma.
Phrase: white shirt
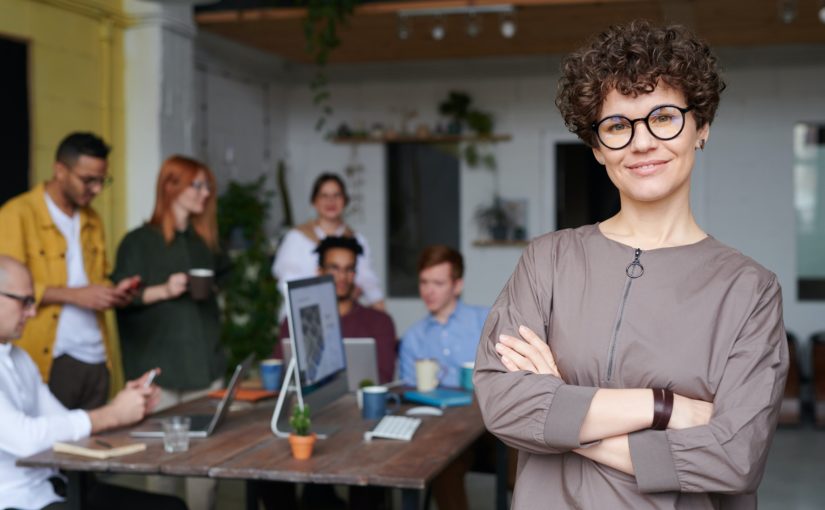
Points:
[[78, 333], [296, 260], [31, 420]]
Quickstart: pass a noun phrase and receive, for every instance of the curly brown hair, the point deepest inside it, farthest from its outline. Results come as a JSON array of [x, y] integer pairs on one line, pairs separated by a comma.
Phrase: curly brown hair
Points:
[[632, 59]]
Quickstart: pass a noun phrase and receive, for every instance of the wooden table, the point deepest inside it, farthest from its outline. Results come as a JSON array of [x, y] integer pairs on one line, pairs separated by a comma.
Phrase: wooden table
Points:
[[244, 448]]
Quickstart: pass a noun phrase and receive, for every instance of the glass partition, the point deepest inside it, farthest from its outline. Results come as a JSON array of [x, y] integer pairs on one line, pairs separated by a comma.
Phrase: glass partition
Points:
[[809, 200]]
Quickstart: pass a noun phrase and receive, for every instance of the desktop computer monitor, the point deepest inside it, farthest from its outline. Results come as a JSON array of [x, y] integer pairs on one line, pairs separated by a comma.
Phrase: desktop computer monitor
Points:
[[315, 329]]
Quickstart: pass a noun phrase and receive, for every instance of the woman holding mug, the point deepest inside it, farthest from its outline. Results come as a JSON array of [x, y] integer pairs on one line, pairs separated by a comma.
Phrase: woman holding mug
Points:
[[637, 362], [166, 326], [296, 258]]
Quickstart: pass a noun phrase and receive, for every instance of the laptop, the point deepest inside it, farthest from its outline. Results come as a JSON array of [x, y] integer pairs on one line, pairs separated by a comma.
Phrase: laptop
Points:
[[203, 425], [361, 355]]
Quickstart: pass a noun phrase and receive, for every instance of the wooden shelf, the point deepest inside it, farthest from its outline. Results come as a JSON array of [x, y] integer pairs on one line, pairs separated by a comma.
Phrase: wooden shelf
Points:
[[488, 243], [424, 139]]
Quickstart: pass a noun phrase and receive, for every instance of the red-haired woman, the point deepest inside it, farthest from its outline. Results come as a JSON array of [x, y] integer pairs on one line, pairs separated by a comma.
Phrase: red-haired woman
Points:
[[165, 327]]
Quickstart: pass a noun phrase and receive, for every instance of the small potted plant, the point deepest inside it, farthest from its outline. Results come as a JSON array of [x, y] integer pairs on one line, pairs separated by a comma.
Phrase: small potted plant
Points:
[[359, 395], [495, 219], [301, 440]]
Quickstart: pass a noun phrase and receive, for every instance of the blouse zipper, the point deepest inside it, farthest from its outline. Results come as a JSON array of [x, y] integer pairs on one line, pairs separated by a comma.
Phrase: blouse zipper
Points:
[[633, 270]]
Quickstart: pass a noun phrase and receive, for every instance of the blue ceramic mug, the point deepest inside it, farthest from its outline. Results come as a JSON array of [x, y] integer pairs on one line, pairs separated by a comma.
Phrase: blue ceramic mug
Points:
[[375, 402], [467, 375], [271, 373]]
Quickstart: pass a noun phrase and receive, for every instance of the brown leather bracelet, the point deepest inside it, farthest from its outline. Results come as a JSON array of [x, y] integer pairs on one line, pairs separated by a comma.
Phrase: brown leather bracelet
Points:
[[662, 408]]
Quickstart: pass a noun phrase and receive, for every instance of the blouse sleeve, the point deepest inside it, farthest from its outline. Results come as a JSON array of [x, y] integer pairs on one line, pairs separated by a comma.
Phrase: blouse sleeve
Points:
[[365, 276], [728, 455], [129, 261], [531, 412], [290, 261]]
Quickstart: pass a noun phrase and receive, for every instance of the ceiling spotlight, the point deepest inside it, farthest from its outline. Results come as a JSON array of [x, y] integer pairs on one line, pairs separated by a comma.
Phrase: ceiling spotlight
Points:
[[403, 28], [508, 26], [438, 31], [787, 11], [822, 11], [473, 25]]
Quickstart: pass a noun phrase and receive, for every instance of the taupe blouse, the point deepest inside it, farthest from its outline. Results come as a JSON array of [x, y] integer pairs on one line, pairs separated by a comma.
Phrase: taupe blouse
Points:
[[702, 319]]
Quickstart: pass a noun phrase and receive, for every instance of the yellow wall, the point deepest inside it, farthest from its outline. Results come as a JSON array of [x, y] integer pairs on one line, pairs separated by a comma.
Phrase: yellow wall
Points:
[[75, 84]]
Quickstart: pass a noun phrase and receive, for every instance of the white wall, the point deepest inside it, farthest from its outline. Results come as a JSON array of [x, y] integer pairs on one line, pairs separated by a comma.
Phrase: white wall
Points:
[[240, 114], [742, 182]]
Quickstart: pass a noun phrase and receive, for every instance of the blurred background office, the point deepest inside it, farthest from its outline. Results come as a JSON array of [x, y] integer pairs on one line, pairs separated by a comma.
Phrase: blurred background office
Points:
[[230, 84]]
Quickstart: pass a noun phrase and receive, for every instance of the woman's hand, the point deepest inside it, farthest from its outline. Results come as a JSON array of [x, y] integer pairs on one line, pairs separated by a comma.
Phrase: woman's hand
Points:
[[529, 353], [688, 412], [176, 285]]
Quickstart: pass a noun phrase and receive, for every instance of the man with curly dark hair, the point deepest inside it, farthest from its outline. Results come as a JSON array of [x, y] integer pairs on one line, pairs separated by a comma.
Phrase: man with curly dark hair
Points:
[[638, 362]]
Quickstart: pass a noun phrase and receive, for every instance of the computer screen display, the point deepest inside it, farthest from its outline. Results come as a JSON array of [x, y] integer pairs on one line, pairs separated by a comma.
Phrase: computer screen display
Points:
[[315, 328]]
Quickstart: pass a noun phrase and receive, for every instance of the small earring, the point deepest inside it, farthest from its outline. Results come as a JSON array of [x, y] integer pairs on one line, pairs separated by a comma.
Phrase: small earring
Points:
[[701, 144]]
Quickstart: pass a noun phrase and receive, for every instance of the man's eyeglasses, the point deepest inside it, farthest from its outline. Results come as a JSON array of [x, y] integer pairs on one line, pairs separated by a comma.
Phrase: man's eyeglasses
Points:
[[89, 181], [26, 301], [664, 122], [339, 270]]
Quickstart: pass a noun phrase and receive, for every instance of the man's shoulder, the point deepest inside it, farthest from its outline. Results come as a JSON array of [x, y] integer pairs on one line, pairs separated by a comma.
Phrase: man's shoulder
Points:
[[474, 311], [23, 359], [371, 314], [417, 328], [26, 201]]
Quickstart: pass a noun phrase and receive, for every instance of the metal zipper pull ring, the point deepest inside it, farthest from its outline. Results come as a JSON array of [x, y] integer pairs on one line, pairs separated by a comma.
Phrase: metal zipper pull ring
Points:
[[635, 269]]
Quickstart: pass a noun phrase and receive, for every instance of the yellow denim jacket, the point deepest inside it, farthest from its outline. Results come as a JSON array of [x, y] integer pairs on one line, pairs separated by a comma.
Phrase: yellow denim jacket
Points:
[[28, 234]]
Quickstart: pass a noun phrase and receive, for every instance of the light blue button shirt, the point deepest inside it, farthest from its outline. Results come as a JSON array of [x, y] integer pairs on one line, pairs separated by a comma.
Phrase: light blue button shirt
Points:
[[451, 344]]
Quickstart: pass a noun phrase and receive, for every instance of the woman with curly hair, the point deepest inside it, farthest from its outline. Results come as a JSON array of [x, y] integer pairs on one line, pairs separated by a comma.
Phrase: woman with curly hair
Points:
[[637, 362]]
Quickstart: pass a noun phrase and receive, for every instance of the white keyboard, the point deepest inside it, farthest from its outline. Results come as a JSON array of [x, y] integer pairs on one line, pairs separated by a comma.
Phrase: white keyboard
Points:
[[394, 427]]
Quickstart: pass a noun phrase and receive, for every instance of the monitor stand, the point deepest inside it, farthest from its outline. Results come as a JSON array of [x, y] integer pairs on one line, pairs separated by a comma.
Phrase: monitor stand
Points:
[[329, 392]]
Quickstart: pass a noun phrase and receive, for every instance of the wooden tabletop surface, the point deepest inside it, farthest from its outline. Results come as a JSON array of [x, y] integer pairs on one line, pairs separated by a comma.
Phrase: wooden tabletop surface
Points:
[[243, 447]]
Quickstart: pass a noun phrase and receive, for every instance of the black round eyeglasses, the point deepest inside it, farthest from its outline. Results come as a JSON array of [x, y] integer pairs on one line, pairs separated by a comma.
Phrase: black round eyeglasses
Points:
[[664, 122]]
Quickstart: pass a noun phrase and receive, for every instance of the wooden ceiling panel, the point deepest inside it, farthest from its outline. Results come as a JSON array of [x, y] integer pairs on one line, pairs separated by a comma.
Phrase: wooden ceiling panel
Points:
[[541, 28]]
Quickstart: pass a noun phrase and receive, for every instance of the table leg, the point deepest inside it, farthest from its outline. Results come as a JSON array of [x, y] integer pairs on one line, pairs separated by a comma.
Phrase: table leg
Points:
[[501, 475], [76, 496], [410, 499]]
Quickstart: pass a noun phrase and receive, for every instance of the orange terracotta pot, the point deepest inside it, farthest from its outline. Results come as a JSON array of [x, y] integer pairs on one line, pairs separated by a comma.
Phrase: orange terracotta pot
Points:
[[302, 445]]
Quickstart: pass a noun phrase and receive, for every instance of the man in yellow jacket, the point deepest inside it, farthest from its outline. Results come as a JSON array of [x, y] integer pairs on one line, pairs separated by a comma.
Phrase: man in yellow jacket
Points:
[[53, 230]]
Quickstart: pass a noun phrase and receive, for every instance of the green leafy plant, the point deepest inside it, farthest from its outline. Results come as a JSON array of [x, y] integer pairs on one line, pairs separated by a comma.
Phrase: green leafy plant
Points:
[[321, 25], [456, 106], [495, 219], [459, 108], [250, 298], [300, 421]]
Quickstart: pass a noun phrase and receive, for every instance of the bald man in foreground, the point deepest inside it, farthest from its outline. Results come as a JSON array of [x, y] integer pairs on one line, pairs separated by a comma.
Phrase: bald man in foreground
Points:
[[33, 420]]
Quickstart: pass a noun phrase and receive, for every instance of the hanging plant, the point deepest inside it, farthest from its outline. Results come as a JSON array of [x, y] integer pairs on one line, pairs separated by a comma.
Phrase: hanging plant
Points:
[[458, 107], [324, 18]]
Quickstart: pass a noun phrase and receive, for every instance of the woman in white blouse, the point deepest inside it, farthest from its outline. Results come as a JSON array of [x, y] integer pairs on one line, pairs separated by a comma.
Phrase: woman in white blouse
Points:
[[296, 258]]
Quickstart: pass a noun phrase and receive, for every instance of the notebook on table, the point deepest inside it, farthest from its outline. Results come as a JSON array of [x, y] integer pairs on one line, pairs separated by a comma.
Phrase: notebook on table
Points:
[[203, 425], [97, 448], [440, 397]]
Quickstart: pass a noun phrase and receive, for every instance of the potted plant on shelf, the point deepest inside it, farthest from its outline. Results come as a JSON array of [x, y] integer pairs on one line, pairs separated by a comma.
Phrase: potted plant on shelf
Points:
[[301, 440], [495, 219]]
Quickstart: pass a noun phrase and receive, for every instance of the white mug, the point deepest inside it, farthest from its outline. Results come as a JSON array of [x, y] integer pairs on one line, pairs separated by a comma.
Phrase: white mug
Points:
[[427, 374]]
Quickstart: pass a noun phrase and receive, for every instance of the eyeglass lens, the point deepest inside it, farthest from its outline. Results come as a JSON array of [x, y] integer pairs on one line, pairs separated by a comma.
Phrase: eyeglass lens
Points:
[[664, 122]]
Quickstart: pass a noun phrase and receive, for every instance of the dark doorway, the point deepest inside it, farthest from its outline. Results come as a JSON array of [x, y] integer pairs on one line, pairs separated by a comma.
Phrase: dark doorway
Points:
[[423, 206], [14, 130], [584, 193]]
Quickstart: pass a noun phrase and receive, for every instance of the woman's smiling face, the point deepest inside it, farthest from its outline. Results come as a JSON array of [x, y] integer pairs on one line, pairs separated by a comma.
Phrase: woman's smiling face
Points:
[[648, 169]]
